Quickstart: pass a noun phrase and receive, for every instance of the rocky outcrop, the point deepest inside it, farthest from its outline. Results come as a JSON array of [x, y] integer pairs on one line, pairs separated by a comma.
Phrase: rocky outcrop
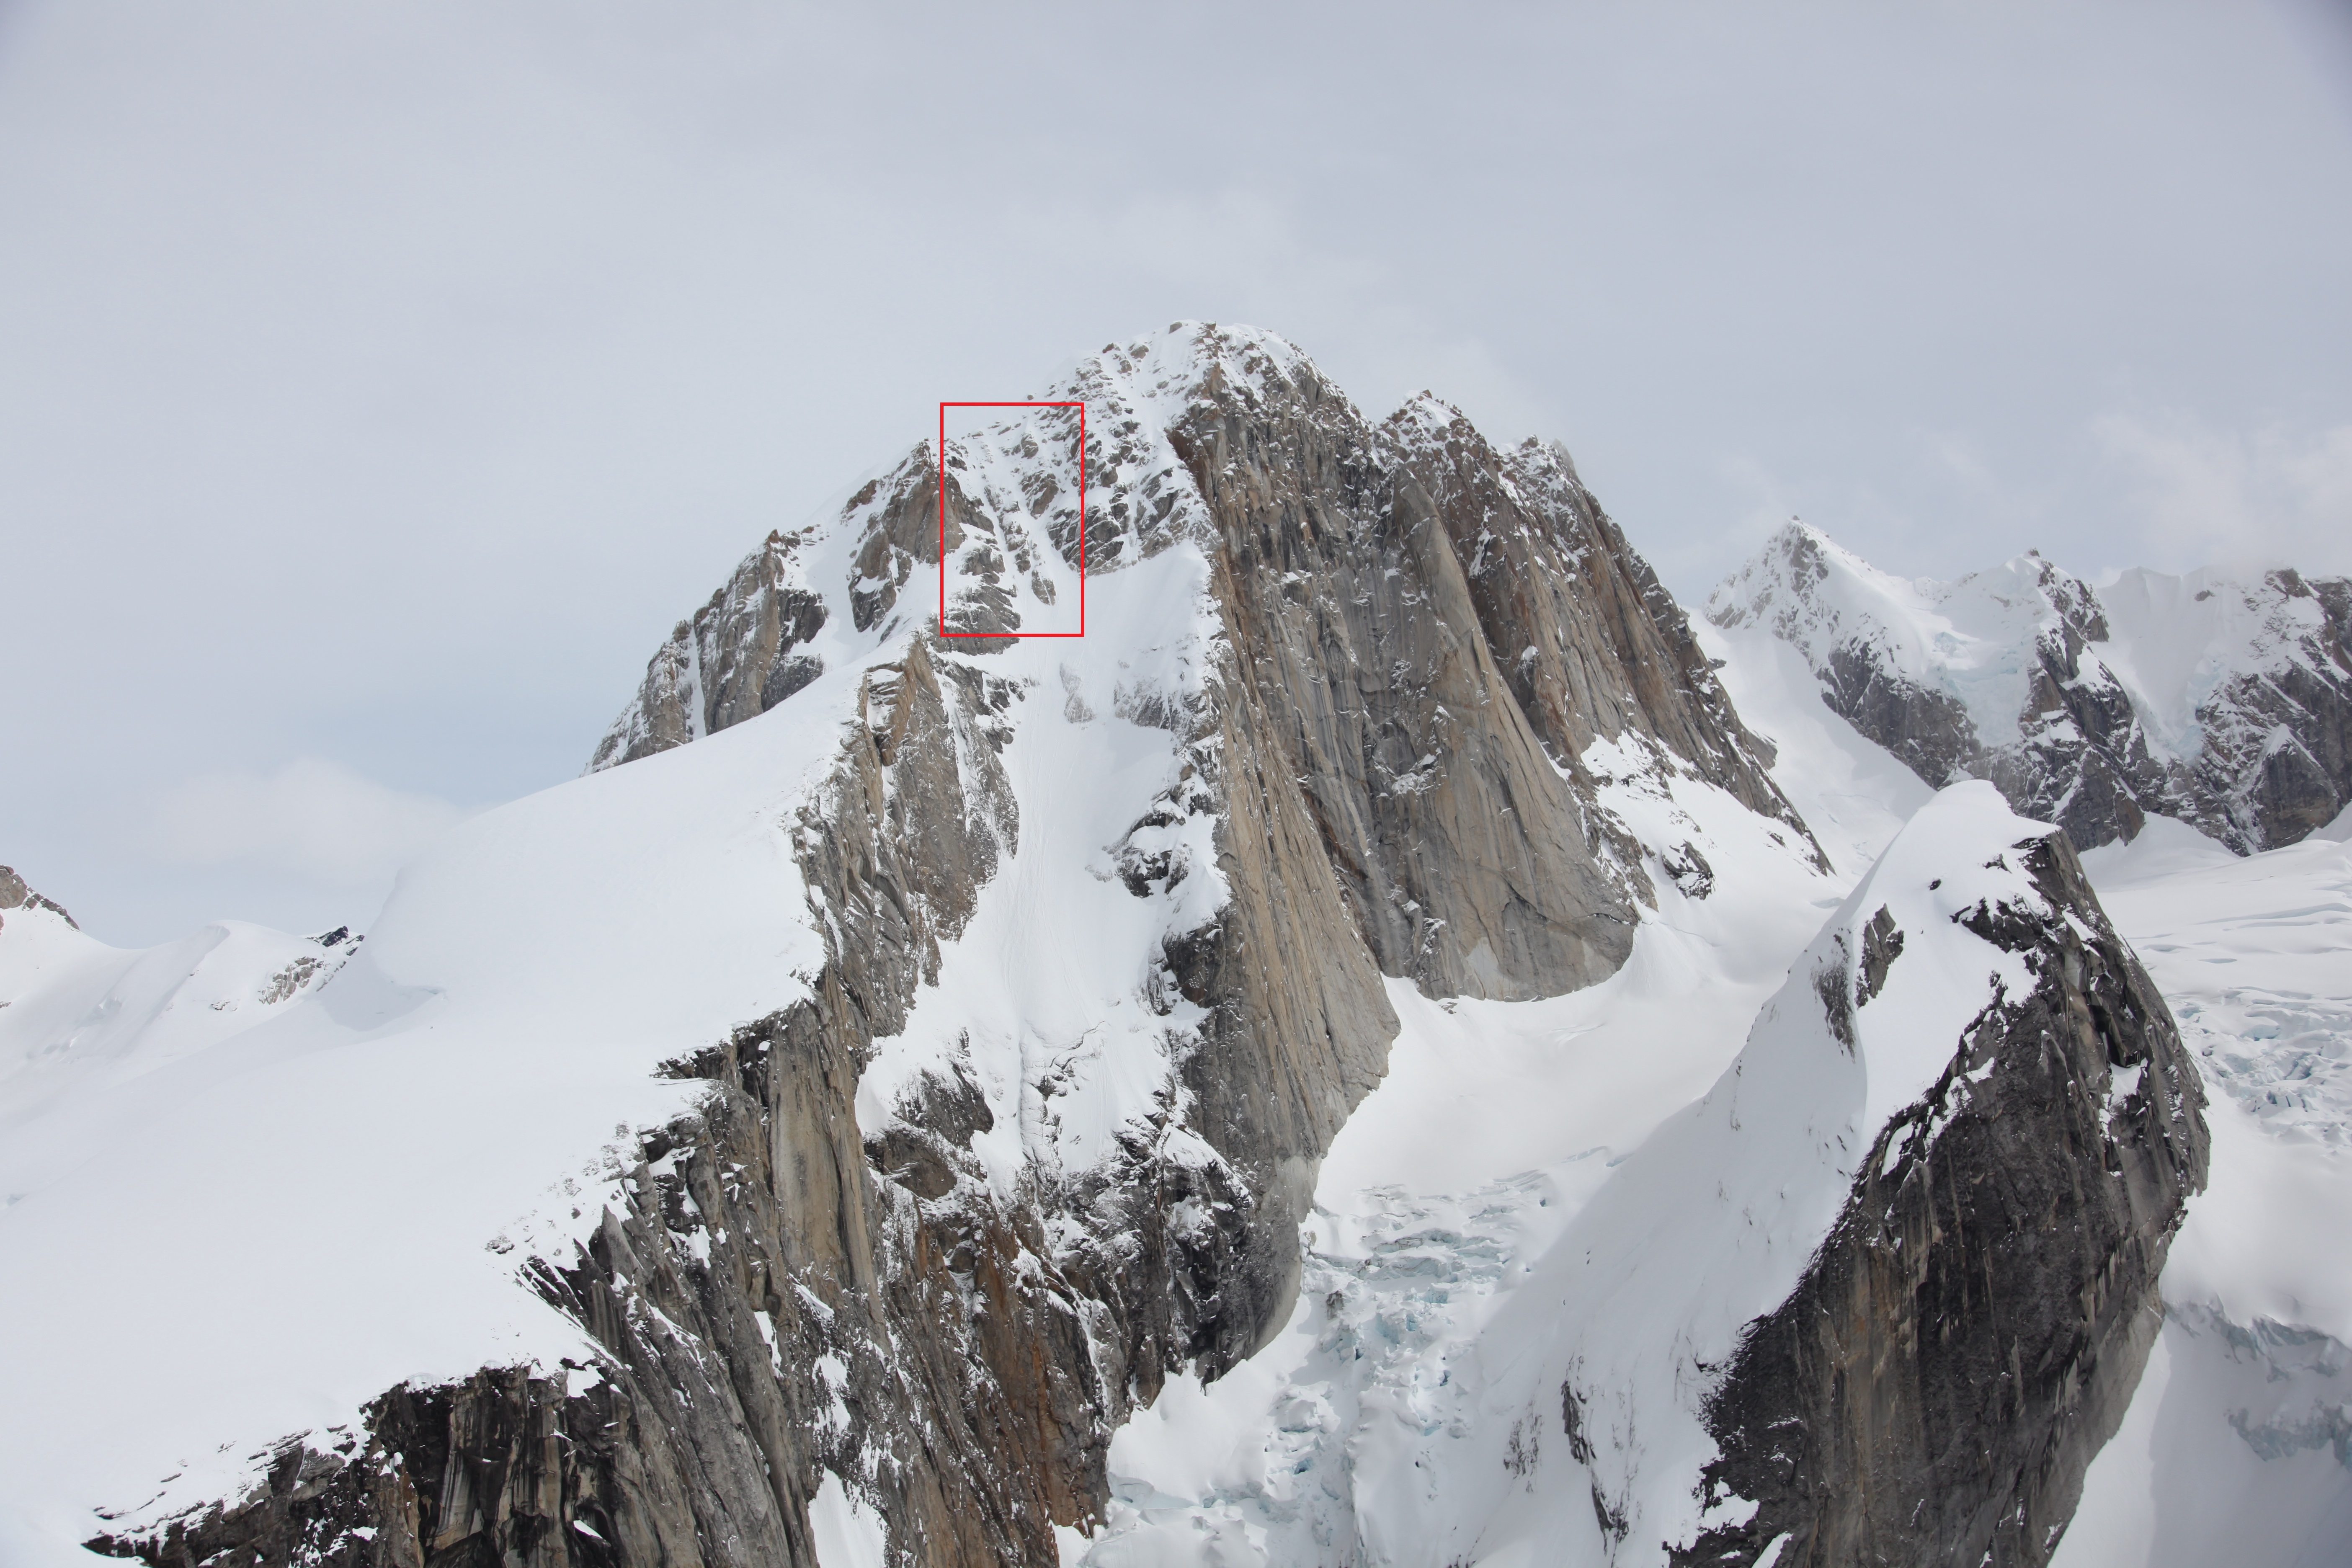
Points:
[[1464, 856], [2277, 762], [1969, 1335], [734, 660], [2077, 702], [15, 895]]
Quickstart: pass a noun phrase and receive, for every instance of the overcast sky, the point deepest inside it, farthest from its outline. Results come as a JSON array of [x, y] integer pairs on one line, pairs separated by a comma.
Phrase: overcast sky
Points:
[[379, 383]]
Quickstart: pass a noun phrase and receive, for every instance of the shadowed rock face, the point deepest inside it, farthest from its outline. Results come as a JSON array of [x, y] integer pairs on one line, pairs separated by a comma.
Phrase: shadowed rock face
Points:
[[1395, 788], [1969, 1334]]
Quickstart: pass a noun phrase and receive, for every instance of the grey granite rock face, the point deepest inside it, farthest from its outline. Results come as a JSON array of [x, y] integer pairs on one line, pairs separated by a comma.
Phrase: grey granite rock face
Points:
[[1588, 641], [733, 661], [1969, 1334], [15, 895], [1466, 859]]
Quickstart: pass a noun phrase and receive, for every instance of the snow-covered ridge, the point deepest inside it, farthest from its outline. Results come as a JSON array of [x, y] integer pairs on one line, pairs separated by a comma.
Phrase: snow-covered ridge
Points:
[[2215, 698], [1464, 1287]]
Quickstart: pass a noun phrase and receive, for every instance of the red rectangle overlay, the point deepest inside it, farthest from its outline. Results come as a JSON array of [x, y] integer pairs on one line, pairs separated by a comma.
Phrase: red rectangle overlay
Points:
[[1081, 407]]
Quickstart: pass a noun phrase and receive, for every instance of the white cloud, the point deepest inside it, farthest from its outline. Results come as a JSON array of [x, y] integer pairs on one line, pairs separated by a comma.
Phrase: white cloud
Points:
[[2206, 492], [312, 818]]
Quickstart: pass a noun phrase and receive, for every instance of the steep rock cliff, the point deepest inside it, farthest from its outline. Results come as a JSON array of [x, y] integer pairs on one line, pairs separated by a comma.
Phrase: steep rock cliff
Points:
[[1971, 1332]]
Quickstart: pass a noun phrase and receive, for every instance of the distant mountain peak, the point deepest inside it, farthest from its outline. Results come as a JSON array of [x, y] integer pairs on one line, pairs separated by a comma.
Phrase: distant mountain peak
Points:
[[2210, 697]]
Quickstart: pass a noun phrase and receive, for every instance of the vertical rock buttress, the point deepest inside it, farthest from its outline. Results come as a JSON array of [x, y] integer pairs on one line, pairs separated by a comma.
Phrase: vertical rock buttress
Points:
[[1969, 1335]]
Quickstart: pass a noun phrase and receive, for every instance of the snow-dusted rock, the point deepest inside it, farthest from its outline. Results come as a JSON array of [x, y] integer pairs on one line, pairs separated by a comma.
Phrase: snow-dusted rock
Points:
[[15, 895], [2222, 699]]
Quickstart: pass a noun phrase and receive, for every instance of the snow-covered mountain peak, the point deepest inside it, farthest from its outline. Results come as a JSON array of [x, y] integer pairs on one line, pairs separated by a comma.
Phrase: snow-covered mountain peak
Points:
[[2211, 696], [839, 589], [1968, 640]]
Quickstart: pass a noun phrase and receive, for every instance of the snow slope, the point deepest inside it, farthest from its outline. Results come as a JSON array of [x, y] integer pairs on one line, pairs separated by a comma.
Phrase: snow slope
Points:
[[1851, 793], [248, 1233]]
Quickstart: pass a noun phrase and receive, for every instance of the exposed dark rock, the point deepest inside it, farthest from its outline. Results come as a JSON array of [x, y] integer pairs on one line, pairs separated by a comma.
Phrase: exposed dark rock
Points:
[[1930, 733], [1689, 870], [732, 661], [1881, 944], [15, 895], [1969, 1335]]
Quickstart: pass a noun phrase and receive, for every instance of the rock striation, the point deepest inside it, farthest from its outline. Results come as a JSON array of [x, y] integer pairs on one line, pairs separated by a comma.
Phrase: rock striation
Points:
[[2221, 699]]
